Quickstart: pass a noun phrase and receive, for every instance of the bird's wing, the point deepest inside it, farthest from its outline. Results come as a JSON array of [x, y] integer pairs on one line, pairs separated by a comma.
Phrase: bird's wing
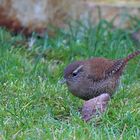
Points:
[[117, 67]]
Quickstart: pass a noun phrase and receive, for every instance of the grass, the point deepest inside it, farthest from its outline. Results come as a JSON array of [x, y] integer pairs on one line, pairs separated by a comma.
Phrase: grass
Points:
[[33, 105]]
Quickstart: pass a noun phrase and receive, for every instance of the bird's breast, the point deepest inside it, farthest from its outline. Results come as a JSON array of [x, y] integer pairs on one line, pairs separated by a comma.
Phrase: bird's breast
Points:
[[88, 89]]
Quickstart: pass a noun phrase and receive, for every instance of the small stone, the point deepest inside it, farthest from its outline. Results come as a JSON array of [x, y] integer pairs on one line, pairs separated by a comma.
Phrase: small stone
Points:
[[95, 106]]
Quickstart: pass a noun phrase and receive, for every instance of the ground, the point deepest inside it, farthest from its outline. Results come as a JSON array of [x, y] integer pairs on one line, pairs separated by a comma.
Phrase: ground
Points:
[[34, 105]]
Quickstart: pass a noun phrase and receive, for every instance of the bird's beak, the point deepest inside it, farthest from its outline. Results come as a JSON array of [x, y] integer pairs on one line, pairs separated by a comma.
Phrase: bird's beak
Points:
[[62, 81]]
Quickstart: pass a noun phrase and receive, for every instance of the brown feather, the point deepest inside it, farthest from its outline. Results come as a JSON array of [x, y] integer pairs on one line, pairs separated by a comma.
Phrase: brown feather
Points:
[[97, 67]]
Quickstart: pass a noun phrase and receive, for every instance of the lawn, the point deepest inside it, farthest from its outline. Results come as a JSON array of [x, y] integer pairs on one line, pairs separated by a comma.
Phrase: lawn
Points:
[[34, 105]]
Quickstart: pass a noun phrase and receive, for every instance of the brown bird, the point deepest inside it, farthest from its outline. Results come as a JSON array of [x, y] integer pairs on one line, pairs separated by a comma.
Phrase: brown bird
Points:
[[95, 80], [93, 77]]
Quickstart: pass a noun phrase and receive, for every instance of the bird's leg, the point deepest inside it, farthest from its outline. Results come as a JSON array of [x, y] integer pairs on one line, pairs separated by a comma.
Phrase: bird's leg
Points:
[[95, 106]]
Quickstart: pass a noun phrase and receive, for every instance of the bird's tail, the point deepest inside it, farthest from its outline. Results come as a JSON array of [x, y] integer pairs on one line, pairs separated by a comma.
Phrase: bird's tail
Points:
[[120, 64], [131, 56]]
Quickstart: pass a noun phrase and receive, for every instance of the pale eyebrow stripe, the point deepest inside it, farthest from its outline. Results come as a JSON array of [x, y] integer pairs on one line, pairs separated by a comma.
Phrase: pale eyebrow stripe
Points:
[[77, 69]]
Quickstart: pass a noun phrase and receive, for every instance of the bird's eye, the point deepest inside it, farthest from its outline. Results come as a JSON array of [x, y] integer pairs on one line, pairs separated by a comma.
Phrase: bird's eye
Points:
[[77, 70], [74, 74]]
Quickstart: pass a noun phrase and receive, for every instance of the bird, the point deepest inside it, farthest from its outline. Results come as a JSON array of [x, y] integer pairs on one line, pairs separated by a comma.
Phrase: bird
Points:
[[90, 78]]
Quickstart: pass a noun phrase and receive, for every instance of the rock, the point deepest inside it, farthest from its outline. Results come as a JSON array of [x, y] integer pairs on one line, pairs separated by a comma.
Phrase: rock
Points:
[[36, 16], [95, 106]]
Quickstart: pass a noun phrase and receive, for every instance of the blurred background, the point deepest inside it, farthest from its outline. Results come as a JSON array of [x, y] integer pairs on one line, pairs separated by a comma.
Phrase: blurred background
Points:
[[38, 39], [37, 15]]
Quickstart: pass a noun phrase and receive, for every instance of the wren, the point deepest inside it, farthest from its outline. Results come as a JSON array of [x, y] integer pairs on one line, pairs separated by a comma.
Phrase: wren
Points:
[[91, 78]]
